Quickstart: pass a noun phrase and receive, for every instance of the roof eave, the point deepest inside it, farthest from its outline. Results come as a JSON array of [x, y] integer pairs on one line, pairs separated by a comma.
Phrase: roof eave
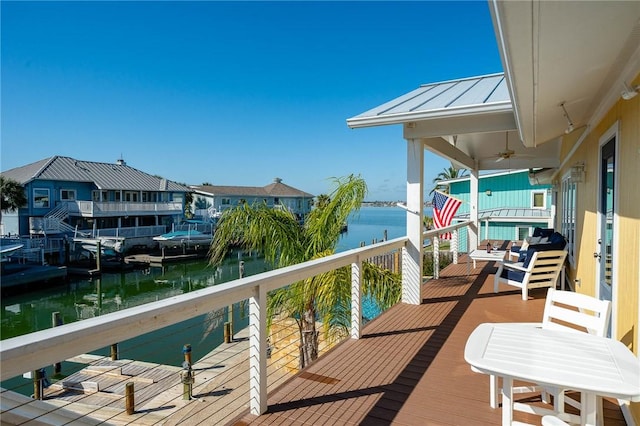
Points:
[[401, 118]]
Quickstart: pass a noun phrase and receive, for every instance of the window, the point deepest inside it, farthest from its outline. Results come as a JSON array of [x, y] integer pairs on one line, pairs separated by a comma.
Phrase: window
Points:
[[568, 214], [67, 194], [226, 201], [522, 232], [539, 199], [131, 196], [40, 198]]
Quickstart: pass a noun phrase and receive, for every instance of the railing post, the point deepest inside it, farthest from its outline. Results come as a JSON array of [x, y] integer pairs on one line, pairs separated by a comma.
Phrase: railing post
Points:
[[258, 351], [454, 246], [436, 257], [356, 299]]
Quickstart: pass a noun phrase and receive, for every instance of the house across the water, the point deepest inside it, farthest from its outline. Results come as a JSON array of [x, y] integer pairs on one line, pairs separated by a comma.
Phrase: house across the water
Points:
[[215, 199], [67, 197]]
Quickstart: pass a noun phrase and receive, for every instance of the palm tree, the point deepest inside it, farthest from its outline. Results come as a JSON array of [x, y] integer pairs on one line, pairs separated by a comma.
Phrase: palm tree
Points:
[[446, 174], [13, 195], [284, 242], [427, 222]]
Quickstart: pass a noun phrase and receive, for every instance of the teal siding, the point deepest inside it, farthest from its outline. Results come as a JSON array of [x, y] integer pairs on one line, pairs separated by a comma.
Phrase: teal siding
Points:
[[506, 191], [511, 190]]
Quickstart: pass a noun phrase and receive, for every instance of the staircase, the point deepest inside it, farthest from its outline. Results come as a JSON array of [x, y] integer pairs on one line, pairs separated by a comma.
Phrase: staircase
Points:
[[54, 221]]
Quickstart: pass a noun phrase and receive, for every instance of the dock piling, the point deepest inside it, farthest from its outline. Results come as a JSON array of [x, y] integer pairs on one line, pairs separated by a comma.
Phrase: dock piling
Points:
[[186, 375], [114, 352], [38, 385], [98, 255], [227, 332], [129, 398]]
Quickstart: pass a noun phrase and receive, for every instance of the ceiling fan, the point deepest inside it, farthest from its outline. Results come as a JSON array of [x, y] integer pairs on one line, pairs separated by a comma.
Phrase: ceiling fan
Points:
[[507, 153]]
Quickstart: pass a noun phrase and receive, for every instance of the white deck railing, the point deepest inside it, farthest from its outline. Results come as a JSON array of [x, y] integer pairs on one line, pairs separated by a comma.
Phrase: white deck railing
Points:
[[36, 350], [104, 208]]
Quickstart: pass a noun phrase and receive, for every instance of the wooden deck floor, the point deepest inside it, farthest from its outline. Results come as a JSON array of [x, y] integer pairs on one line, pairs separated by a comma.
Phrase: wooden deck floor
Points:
[[409, 369]]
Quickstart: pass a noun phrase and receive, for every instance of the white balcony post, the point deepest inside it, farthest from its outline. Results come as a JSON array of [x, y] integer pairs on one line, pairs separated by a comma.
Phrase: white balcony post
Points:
[[454, 246], [258, 351], [412, 253], [436, 256], [356, 299], [474, 226]]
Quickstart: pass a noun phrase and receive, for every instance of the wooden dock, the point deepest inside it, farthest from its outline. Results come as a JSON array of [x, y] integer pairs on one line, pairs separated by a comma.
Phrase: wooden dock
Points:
[[98, 391]]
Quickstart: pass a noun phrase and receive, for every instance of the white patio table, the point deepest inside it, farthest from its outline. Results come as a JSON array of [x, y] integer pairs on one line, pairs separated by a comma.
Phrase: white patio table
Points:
[[578, 361], [480, 254]]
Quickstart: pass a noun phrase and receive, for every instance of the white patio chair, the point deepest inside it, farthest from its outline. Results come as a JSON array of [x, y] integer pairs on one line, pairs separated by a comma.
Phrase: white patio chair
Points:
[[540, 269], [550, 420], [564, 311]]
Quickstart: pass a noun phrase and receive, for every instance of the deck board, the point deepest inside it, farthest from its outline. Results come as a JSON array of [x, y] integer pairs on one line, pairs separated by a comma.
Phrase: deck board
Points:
[[409, 368]]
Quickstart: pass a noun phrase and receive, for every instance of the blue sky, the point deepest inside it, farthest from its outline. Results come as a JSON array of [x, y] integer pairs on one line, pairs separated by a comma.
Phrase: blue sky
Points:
[[231, 93]]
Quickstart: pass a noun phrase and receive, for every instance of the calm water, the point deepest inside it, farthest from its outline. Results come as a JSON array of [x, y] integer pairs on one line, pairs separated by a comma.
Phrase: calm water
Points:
[[85, 298]]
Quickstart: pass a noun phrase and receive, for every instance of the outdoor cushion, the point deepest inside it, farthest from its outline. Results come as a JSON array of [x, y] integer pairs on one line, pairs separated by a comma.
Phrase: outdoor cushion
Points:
[[527, 256], [542, 232], [510, 274], [556, 237]]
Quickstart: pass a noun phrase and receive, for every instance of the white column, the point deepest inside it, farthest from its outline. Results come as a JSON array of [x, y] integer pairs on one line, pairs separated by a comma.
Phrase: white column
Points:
[[473, 210], [258, 351], [412, 254], [356, 299]]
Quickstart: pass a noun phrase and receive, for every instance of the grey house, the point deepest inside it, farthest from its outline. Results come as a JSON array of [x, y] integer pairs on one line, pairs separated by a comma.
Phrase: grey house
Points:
[[65, 195], [213, 200]]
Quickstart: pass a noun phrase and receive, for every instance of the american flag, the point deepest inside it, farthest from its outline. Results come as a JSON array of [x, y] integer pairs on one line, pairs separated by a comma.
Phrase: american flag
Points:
[[444, 208]]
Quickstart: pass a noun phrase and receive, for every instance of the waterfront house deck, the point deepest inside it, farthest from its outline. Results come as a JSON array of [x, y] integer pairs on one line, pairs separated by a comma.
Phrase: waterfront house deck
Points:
[[408, 369]]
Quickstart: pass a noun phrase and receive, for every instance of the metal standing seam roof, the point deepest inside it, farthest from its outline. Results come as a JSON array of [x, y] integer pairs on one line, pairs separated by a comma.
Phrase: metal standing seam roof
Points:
[[511, 213], [466, 96], [106, 176], [276, 189]]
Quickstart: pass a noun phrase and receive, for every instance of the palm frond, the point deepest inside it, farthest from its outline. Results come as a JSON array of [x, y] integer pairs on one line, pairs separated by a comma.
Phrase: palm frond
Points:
[[323, 225], [274, 233]]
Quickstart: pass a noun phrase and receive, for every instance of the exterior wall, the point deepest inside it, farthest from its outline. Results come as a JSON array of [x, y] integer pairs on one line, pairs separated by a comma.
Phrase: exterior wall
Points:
[[84, 193], [626, 279], [508, 190], [297, 205]]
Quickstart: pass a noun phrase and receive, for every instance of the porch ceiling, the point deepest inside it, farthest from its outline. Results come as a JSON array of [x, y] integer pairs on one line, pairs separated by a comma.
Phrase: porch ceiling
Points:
[[577, 52]]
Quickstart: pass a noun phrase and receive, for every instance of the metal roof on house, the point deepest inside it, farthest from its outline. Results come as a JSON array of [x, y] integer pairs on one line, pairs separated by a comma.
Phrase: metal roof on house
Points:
[[506, 214], [488, 93], [106, 176], [275, 189]]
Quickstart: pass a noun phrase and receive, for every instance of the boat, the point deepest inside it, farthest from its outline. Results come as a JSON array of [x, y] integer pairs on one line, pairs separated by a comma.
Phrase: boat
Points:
[[109, 246], [6, 250], [187, 238]]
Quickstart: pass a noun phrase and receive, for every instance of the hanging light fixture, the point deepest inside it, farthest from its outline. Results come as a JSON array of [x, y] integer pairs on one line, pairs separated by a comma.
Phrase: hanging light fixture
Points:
[[569, 128]]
